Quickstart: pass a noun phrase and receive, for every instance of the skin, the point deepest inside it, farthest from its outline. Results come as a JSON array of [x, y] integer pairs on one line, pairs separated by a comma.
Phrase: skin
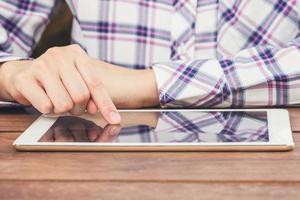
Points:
[[66, 79]]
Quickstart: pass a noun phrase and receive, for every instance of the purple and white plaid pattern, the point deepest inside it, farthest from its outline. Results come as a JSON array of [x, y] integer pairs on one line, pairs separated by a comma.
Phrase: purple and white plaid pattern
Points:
[[201, 127], [205, 53]]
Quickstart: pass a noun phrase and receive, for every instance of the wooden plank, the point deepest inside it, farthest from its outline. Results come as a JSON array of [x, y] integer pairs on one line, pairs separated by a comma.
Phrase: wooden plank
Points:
[[153, 190], [16, 122], [143, 166]]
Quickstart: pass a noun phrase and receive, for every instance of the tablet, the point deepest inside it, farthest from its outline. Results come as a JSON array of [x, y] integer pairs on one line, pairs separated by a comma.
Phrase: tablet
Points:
[[163, 130]]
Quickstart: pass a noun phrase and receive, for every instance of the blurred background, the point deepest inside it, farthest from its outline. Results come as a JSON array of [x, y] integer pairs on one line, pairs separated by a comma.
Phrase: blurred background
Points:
[[58, 30]]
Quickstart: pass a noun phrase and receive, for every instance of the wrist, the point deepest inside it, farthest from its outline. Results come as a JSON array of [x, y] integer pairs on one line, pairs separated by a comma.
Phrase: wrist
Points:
[[139, 89], [129, 88], [146, 88]]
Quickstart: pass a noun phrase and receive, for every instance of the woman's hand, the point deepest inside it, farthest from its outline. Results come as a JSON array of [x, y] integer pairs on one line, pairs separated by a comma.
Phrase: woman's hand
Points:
[[66, 79], [61, 80]]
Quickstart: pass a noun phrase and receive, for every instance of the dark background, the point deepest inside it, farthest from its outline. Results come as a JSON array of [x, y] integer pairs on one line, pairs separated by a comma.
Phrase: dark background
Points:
[[58, 30]]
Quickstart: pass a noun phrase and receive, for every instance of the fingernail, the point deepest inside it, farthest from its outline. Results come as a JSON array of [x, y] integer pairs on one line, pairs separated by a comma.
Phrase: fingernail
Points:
[[115, 117], [114, 130]]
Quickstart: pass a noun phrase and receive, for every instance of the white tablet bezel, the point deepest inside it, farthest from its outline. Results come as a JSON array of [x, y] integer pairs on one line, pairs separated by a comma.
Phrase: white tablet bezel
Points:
[[280, 135]]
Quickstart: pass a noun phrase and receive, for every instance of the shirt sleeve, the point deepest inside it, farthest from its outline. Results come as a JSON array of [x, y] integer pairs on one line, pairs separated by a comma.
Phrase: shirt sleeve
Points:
[[257, 76], [21, 25]]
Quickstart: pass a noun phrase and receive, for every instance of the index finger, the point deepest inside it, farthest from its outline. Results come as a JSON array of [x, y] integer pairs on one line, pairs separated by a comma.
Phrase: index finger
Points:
[[98, 92], [105, 104]]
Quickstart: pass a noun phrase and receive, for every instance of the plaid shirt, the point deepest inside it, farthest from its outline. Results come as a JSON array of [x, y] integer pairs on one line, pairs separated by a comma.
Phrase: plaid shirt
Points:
[[204, 52]]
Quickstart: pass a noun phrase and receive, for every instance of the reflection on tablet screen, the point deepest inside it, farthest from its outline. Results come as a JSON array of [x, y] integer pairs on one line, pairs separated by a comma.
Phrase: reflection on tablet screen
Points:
[[170, 127]]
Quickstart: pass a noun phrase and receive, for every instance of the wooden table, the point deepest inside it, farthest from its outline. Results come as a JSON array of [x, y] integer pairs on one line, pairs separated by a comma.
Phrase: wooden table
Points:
[[196, 175]]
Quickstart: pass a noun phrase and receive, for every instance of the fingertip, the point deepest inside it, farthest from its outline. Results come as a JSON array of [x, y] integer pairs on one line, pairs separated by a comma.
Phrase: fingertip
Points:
[[114, 130], [114, 117]]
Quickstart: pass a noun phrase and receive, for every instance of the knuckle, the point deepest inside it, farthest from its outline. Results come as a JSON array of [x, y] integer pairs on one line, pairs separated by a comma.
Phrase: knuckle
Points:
[[75, 48], [54, 53], [46, 107], [64, 107], [83, 98]]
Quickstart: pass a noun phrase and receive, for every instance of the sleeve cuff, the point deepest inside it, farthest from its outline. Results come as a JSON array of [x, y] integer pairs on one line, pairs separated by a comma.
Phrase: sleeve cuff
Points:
[[4, 104], [196, 83], [4, 57]]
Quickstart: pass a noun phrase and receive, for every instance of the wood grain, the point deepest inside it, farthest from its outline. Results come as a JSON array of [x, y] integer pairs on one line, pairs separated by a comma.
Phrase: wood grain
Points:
[[145, 166], [16, 122], [141, 190], [123, 175]]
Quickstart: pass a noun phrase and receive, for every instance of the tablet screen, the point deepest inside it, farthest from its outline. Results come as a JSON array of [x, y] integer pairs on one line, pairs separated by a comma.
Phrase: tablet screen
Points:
[[163, 127]]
